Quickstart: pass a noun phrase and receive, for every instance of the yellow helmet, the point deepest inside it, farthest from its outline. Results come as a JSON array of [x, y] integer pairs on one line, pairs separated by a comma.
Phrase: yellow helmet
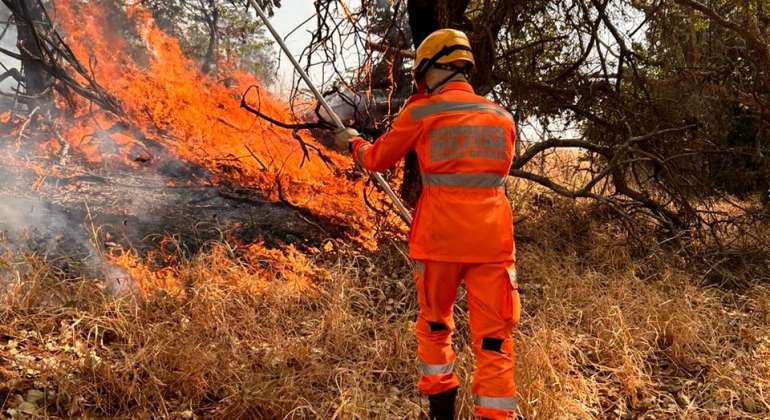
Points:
[[442, 47]]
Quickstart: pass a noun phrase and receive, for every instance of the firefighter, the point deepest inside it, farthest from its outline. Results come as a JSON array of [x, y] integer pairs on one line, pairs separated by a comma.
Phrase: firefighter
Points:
[[462, 228]]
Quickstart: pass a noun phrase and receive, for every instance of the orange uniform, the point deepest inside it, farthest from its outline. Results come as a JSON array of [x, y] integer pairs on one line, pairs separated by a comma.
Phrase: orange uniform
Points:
[[464, 146], [462, 229]]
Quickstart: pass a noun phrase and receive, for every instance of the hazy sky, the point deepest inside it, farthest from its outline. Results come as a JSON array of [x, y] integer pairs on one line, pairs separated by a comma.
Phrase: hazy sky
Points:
[[288, 17]]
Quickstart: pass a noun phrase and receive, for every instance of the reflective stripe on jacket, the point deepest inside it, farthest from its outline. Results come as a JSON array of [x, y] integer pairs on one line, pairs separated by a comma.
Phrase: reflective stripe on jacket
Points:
[[464, 146]]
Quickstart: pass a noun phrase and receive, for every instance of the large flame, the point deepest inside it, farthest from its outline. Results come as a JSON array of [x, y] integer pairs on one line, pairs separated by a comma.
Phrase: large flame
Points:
[[167, 100]]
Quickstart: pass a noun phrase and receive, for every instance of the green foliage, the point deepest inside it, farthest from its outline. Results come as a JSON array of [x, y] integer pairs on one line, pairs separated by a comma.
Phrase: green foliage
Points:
[[245, 43], [217, 32]]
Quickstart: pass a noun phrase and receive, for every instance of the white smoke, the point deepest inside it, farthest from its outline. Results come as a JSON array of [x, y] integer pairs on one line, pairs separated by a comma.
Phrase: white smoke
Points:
[[54, 232]]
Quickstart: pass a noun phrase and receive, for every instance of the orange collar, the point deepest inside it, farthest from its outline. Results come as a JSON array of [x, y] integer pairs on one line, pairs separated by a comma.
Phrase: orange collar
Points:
[[457, 85]]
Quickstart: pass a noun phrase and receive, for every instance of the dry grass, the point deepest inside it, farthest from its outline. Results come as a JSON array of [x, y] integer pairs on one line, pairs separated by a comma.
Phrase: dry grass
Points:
[[607, 335], [609, 331]]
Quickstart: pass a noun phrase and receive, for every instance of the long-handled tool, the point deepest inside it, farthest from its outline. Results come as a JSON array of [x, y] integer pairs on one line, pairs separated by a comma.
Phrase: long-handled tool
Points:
[[335, 118]]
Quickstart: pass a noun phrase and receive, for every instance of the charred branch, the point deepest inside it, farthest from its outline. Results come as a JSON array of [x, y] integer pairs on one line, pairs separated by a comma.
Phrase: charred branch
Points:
[[619, 162], [264, 168], [387, 49], [321, 124], [13, 73], [36, 80], [48, 61], [294, 127]]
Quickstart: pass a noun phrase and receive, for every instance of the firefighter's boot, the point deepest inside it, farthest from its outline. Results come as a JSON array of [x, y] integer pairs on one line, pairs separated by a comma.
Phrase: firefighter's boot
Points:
[[442, 406]]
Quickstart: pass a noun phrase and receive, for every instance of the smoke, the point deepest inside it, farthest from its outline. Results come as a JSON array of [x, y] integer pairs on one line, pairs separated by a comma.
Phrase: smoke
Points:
[[19, 215], [24, 216], [57, 234], [28, 224]]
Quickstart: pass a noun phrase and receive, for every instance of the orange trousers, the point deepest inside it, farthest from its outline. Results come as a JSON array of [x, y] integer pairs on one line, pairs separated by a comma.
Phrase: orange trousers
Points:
[[494, 308]]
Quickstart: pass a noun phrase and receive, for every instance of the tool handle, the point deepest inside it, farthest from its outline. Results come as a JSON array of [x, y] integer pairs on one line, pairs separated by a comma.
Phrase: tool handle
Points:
[[335, 118]]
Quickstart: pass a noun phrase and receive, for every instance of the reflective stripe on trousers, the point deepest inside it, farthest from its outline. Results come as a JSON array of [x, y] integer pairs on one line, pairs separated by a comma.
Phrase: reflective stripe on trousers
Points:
[[426, 369], [496, 403], [464, 180]]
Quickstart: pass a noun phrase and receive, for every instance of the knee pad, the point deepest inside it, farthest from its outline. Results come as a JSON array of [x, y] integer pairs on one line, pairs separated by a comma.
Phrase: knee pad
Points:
[[492, 344], [437, 326]]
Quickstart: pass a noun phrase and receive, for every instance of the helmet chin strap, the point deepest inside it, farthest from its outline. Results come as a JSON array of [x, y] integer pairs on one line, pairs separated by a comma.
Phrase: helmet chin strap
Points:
[[438, 86], [455, 71]]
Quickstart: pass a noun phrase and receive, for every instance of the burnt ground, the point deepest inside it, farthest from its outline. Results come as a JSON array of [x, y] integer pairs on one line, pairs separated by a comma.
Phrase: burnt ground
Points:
[[134, 209]]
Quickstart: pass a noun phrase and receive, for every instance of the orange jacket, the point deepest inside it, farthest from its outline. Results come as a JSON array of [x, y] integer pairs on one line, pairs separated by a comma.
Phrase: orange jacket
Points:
[[464, 145]]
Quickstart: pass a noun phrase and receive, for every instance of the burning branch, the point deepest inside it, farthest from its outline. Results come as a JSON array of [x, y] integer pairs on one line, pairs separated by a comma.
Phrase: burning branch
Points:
[[26, 123], [380, 47], [298, 126], [264, 168], [294, 127], [45, 51], [65, 147]]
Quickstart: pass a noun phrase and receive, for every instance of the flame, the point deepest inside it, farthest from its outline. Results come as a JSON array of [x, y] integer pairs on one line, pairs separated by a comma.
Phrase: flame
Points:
[[168, 101], [259, 269], [200, 120], [146, 277]]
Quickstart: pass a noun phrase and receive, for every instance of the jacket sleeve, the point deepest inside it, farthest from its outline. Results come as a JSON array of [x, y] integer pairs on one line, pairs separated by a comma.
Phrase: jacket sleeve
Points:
[[390, 147]]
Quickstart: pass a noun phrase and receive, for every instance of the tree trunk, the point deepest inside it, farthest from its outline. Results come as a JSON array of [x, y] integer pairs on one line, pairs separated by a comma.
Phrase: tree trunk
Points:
[[427, 16], [37, 82], [211, 17]]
